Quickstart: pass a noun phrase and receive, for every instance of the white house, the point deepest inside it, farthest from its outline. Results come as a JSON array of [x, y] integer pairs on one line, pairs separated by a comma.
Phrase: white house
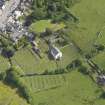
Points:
[[56, 53], [18, 14]]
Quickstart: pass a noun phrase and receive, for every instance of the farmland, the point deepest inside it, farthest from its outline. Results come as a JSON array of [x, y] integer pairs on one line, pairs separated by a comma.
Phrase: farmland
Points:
[[91, 21], [4, 64], [41, 83], [78, 90], [8, 96], [100, 60], [101, 37], [32, 74]]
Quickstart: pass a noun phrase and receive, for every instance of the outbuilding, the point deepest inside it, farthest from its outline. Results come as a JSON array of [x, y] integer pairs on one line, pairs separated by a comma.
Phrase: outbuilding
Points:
[[55, 52], [101, 79]]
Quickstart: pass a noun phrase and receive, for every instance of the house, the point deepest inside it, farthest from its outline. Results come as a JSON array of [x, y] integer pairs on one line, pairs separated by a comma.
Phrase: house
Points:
[[18, 14], [30, 36], [1, 3], [55, 52]]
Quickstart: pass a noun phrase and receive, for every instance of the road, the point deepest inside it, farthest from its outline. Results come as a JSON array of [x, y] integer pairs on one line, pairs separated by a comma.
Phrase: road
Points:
[[10, 6]]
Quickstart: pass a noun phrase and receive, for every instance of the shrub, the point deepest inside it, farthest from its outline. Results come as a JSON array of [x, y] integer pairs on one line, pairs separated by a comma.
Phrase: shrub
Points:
[[76, 63], [83, 70], [8, 52], [2, 76], [13, 77]]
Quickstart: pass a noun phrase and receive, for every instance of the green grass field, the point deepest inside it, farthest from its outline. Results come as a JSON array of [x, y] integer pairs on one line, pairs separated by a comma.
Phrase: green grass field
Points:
[[45, 82], [100, 60], [40, 26], [77, 90], [4, 64], [91, 21], [9, 96], [101, 37]]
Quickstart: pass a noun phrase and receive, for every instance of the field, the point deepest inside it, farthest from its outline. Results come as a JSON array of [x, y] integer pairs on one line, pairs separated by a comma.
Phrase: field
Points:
[[41, 83], [100, 60], [9, 96], [41, 26], [31, 63], [101, 37], [4, 64], [77, 89], [91, 21]]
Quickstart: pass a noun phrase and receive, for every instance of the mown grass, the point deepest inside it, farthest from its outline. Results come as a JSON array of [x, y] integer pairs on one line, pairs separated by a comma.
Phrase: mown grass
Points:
[[100, 60], [40, 26], [101, 38], [4, 64], [78, 90], [9, 96], [43, 82], [91, 21]]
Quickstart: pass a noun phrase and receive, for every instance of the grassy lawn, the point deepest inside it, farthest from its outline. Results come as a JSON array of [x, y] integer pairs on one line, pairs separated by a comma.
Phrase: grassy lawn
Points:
[[31, 63], [41, 83], [78, 90], [4, 64], [9, 96], [101, 38], [100, 60], [91, 21], [40, 26], [69, 54]]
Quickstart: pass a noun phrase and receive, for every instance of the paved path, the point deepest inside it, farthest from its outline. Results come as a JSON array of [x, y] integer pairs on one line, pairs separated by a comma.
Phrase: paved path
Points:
[[10, 6]]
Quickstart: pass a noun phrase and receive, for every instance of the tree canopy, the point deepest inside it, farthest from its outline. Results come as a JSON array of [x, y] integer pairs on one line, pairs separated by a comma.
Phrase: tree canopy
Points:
[[53, 9]]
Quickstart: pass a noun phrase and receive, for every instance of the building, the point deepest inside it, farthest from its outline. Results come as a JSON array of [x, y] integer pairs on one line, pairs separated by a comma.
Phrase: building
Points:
[[101, 79], [34, 44], [11, 20], [56, 53], [18, 14], [1, 3]]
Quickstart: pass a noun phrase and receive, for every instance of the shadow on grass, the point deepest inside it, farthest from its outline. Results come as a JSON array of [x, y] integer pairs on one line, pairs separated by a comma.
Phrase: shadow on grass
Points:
[[12, 86], [102, 96]]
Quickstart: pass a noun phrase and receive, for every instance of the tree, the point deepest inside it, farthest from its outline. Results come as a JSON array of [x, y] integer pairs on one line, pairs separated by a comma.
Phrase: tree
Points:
[[8, 51], [100, 47], [52, 9], [83, 70], [13, 77], [13, 74]]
